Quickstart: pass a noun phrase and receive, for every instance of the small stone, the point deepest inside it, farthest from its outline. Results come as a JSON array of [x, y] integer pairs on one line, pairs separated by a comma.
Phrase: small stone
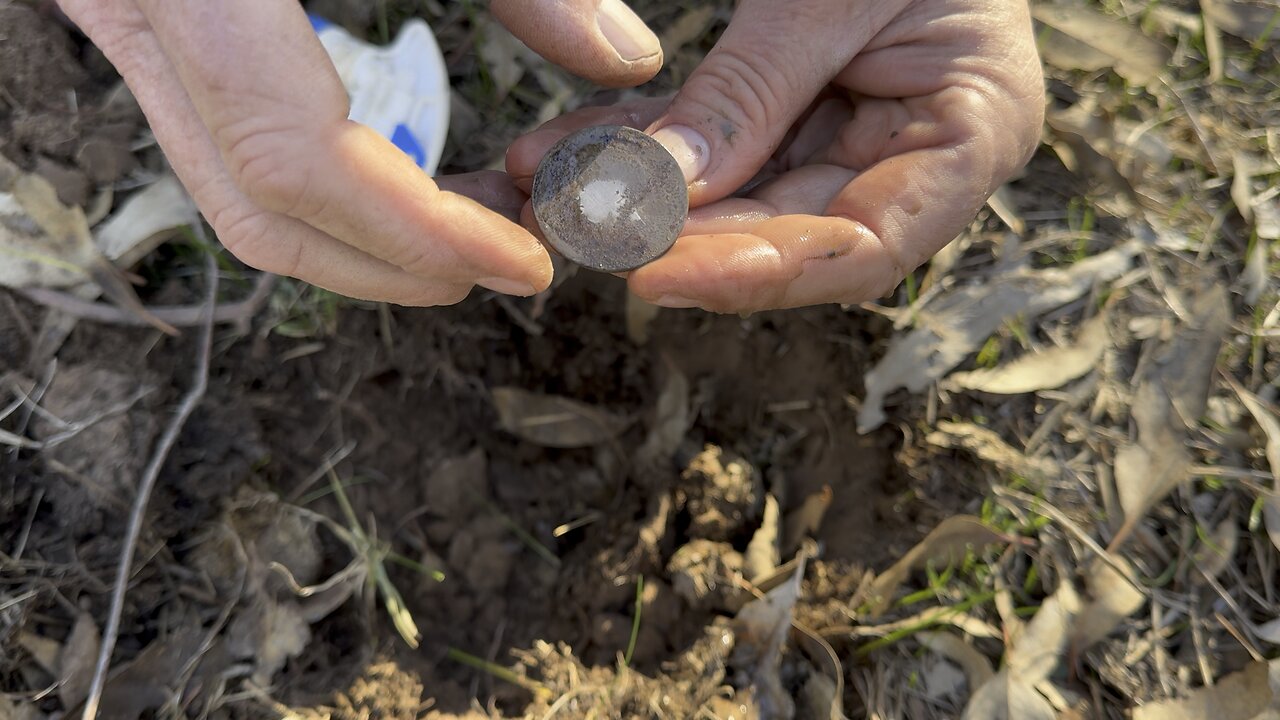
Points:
[[610, 198]]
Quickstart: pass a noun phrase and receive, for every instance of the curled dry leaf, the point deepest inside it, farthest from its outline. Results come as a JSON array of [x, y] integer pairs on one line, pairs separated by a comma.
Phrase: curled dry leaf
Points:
[[554, 421], [956, 322], [1044, 370], [1239, 696], [1109, 598], [145, 221], [946, 545], [977, 668], [1029, 660], [763, 553], [1135, 57], [76, 661], [806, 519]]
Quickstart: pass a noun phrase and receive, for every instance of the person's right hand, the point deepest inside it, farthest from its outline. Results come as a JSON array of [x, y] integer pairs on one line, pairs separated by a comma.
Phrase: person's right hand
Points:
[[252, 116]]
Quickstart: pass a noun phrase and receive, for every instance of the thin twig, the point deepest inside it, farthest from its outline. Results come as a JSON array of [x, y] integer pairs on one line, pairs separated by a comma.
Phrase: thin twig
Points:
[[177, 315], [200, 382]]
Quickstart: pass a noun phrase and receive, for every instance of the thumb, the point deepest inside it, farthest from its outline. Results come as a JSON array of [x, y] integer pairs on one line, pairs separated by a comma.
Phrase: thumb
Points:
[[600, 40], [769, 65]]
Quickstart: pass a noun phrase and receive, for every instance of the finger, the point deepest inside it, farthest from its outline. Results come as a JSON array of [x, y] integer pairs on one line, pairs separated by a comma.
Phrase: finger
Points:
[[491, 188], [600, 40], [266, 90], [787, 261], [267, 241], [803, 191], [526, 152], [926, 179], [771, 62]]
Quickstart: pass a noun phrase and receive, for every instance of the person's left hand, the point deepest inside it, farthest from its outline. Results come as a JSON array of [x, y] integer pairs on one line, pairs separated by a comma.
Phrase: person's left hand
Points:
[[830, 147]]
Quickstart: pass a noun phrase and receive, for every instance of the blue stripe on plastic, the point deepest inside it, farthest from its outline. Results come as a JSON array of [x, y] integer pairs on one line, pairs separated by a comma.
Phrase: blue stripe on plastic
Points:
[[404, 139], [318, 23]]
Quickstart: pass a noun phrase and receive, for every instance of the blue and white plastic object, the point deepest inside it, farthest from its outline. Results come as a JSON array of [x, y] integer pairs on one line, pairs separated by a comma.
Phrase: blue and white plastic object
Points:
[[400, 90]]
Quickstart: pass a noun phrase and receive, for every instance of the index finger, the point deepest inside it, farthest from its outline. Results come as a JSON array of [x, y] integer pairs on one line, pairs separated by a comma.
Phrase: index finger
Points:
[[277, 111]]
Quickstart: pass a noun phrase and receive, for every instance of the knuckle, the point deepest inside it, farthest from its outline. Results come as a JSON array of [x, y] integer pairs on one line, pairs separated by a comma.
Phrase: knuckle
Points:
[[263, 167], [250, 238], [741, 89]]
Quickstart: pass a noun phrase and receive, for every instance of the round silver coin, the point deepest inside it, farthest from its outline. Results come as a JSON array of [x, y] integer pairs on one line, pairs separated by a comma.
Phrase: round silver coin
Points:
[[610, 198]]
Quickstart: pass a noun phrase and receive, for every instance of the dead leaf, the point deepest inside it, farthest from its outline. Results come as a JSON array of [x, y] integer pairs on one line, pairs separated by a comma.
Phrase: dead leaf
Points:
[[145, 221], [504, 56], [947, 544], [1242, 186], [987, 445], [1238, 696], [1110, 598], [956, 323], [1252, 21], [76, 661], [268, 633], [1256, 276], [1029, 660], [147, 682], [761, 628], [1215, 554], [690, 26], [1046, 370], [977, 668], [763, 553], [1135, 57], [553, 421], [458, 487], [639, 315], [44, 243], [1171, 398], [672, 417]]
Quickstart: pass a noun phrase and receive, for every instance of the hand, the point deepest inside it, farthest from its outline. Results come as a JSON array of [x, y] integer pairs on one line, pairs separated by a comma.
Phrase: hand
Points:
[[875, 132], [252, 116]]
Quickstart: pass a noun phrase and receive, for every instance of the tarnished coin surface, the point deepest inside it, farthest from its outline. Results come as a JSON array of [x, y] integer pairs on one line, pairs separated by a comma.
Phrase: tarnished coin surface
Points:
[[610, 198]]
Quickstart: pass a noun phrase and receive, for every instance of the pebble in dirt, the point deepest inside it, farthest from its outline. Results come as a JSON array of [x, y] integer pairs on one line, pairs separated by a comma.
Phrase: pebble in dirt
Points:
[[610, 198]]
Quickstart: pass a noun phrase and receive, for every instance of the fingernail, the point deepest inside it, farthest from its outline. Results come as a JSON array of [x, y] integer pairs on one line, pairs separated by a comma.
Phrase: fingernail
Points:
[[675, 301], [688, 147], [507, 286], [626, 32]]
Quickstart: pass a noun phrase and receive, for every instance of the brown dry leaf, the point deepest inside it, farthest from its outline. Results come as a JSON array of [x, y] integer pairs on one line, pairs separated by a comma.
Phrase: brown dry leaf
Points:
[[1171, 398], [44, 243], [1110, 598], [1252, 21], [1239, 696], [1042, 371], [148, 681], [1029, 660], [976, 666], [76, 661], [1135, 57], [554, 421], [987, 445], [955, 323], [945, 545]]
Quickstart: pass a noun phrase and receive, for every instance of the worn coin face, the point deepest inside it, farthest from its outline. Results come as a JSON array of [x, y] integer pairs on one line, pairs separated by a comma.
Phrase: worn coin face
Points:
[[610, 198]]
